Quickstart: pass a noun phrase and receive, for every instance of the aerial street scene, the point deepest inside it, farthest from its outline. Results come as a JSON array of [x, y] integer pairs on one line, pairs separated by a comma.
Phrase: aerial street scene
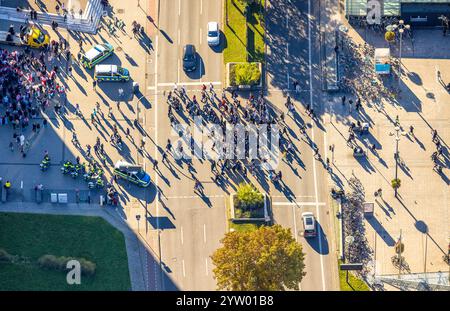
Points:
[[223, 146]]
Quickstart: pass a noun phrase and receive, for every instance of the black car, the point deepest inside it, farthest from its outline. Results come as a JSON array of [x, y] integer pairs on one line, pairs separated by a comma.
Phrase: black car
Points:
[[189, 58]]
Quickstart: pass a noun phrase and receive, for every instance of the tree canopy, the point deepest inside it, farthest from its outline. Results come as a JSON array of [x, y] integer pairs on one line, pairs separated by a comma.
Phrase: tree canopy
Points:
[[268, 258]]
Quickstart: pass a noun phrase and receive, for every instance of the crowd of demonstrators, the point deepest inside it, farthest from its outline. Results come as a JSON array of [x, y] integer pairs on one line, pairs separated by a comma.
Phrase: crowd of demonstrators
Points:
[[437, 156], [27, 84], [228, 110]]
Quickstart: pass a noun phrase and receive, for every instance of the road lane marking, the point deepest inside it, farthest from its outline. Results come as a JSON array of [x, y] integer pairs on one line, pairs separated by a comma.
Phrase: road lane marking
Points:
[[178, 72], [287, 21], [179, 7], [204, 233], [194, 196], [156, 156], [287, 75], [287, 50], [295, 224], [298, 203], [206, 265], [184, 268], [181, 235], [201, 7], [151, 88], [200, 36], [312, 138], [318, 215], [293, 196], [191, 83], [200, 71]]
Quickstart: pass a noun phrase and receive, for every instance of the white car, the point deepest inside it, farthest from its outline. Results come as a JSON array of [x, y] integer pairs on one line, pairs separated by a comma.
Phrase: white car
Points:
[[309, 225], [213, 34]]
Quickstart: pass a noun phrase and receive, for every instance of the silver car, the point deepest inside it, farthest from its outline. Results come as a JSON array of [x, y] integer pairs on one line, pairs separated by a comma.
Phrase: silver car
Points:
[[309, 225]]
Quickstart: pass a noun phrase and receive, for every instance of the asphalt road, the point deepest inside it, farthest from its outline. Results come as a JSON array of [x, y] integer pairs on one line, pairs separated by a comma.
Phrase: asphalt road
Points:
[[185, 22], [292, 29], [191, 227]]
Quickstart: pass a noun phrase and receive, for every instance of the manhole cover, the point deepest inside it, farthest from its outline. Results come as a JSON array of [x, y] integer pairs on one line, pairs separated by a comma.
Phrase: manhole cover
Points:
[[120, 11], [119, 49]]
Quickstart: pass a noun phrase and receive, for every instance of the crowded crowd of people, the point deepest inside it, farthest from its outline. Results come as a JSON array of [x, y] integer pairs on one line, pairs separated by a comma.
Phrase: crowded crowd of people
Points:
[[228, 110], [27, 85]]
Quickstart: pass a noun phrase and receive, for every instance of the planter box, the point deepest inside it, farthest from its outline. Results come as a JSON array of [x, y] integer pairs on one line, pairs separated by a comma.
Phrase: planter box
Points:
[[267, 216], [242, 87]]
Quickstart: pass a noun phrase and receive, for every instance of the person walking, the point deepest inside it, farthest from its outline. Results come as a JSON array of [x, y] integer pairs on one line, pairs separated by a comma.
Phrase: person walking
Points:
[[169, 146], [93, 119], [94, 84], [434, 134], [164, 157], [142, 144]]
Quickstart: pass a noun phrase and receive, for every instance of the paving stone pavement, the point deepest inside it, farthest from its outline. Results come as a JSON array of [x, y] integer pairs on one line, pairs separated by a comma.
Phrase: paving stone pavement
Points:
[[421, 211]]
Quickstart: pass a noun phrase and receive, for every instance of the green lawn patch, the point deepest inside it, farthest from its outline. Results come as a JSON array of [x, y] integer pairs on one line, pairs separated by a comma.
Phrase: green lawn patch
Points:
[[241, 227], [354, 283], [237, 46], [92, 238], [255, 31]]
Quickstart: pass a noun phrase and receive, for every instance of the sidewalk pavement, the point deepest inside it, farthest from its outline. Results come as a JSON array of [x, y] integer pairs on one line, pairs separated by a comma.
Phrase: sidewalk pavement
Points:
[[329, 23], [422, 210]]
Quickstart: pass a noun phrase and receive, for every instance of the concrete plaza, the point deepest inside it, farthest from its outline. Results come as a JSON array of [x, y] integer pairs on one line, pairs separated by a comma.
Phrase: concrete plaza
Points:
[[421, 211]]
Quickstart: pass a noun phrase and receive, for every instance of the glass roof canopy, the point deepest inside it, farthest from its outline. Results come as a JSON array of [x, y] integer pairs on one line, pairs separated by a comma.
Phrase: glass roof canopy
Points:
[[390, 7]]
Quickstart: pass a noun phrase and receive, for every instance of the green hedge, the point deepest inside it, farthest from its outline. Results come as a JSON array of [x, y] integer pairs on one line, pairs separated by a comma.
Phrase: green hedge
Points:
[[5, 256], [52, 262], [245, 74], [249, 202]]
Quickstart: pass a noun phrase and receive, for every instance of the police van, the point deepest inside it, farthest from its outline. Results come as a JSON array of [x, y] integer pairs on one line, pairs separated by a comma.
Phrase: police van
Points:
[[97, 54], [132, 172], [111, 73]]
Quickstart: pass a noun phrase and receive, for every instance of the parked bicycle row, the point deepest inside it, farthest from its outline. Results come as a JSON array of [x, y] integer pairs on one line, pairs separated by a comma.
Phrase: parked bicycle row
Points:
[[356, 246]]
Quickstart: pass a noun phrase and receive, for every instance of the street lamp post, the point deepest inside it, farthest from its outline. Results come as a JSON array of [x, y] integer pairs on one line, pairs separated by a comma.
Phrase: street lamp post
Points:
[[138, 217], [401, 29], [397, 139]]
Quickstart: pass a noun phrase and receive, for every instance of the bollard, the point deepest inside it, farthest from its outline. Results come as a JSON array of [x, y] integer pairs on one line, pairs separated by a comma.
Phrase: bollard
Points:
[[102, 200]]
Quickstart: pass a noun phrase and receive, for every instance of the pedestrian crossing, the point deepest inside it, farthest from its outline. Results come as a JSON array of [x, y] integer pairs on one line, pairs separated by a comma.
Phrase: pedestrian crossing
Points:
[[88, 22]]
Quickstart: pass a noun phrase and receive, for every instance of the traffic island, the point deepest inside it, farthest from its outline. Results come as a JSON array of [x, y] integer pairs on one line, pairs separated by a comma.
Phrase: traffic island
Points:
[[244, 31], [350, 282], [244, 76], [248, 208]]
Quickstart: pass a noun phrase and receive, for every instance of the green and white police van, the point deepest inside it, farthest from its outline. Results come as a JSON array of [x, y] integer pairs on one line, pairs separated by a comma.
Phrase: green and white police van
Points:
[[132, 172], [111, 73], [97, 54]]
